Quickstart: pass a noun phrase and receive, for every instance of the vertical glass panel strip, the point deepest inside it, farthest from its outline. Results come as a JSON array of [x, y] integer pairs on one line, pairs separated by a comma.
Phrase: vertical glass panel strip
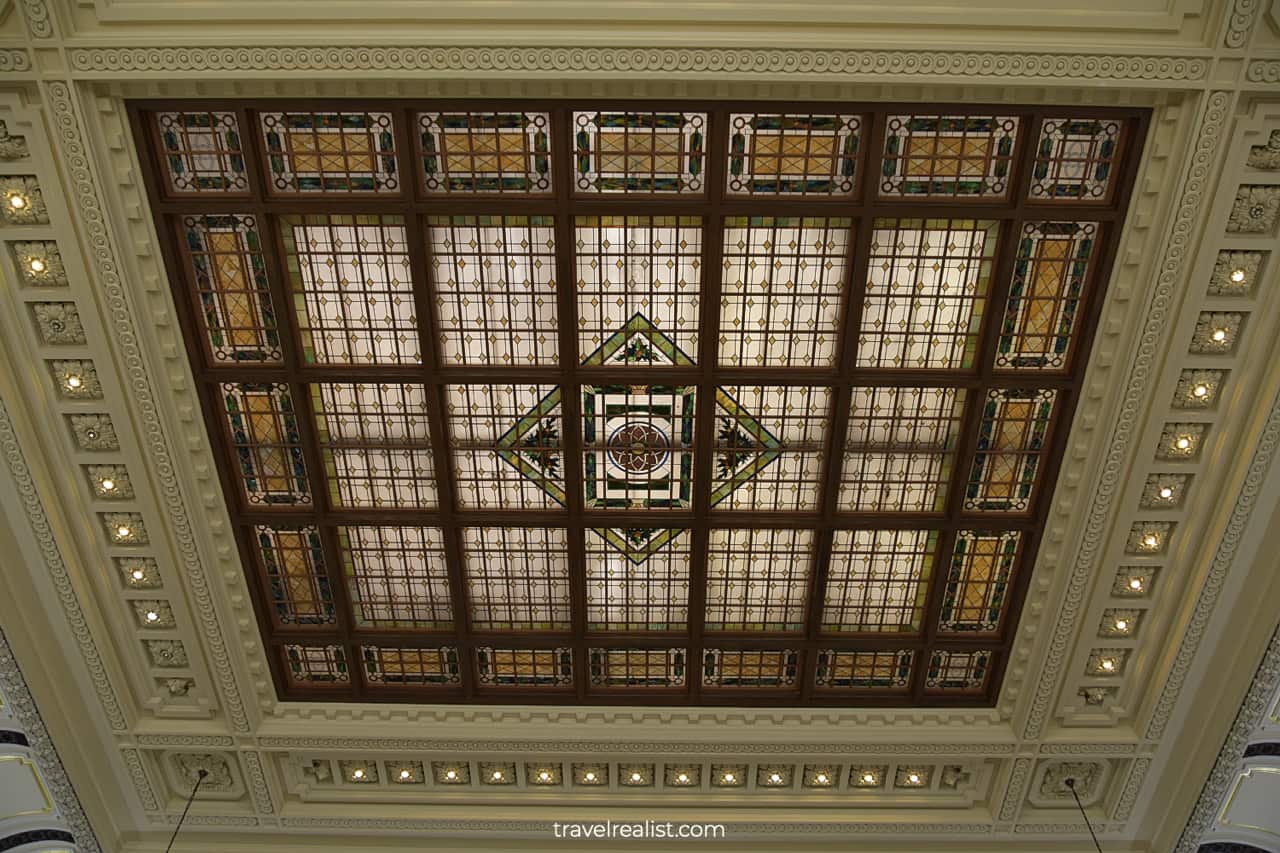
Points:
[[265, 440], [293, 558], [1012, 439], [978, 581], [236, 310]]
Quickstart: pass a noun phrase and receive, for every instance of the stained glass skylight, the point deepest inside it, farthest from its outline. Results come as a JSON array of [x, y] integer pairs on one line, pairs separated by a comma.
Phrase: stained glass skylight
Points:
[[583, 403]]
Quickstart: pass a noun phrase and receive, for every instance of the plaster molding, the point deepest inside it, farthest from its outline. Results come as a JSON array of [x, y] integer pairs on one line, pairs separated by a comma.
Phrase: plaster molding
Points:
[[732, 828], [258, 787], [1132, 787], [1240, 22], [141, 782], [14, 60], [75, 155], [1264, 71], [1016, 790], [1252, 710], [643, 747], [58, 573], [19, 703], [1190, 206], [1223, 559], [39, 21], [381, 60]]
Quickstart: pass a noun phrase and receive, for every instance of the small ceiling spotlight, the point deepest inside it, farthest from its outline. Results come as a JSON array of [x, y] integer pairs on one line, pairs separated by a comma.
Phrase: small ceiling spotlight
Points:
[[1201, 390], [36, 265], [108, 484], [405, 775], [1237, 275], [137, 574], [74, 382], [1135, 584], [1166, 493], [1108, 664], [17, 202], [152, 616], [1219, 335], [357, 774]]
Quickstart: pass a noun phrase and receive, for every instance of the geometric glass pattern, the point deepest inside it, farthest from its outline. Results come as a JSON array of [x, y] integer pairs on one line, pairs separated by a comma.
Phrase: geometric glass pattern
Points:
[[638, 266], [293, 558], [776, 154], [1074, 159], [330, 152], [396, 576], [1011, 442], [352, 289], [900, 448], [230, 273], [1049, 274], [266, 443], [482, 152], [926, 289], [495, 277], [782, 287], [374, 444], [517, 578], [878, 580], [560, 399], [947, 155], [639, 152], [887, 670], [978, 581], [757, 580], [202, 152]]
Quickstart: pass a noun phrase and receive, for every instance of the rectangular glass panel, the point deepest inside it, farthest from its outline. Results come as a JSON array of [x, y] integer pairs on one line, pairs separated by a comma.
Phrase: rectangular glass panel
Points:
[[265, 440], [900, 449], [335, 152], [959, 672], [517, 578], [927, 282], [1011, 442], [293, 558], [397, 576], [726, 668], [886, 670], [757, 580], [878, 580], [637, 579], [948, 155], [1049, 275], [1075, 159], [769, 445], [481, 152], [495, 288], [352, 289], [230, 276], [316, 665], [506, 446], [394, 666], [637, 443], [782, 292], [202, 152], [793, 153], [621, 152], [637, 667], [978, 581], [639, 284], [524, 667]]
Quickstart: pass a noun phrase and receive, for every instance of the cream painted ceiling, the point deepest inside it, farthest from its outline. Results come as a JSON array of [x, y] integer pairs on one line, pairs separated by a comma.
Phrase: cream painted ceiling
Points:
[[135, 708]]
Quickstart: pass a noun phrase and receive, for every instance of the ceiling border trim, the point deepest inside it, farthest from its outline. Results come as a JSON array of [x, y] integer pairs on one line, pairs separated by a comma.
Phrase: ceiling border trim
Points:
[[1189, 211], [17, 694], [1252, 709]]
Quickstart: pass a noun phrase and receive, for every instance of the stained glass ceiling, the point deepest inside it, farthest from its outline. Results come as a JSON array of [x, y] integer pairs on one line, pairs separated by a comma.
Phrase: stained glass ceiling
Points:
[[646, 404]]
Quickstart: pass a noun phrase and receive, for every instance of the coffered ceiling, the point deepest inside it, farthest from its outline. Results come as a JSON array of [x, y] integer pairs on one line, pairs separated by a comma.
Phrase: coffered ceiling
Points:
[[142, 605]]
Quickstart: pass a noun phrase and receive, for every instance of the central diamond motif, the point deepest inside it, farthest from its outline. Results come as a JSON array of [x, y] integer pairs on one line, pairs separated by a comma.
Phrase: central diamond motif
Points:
[[638, 441]]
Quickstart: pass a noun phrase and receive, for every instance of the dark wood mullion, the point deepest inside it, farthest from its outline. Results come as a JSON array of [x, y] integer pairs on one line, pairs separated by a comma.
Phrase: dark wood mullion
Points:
[[715, 174], [570, 389], [450, 520]]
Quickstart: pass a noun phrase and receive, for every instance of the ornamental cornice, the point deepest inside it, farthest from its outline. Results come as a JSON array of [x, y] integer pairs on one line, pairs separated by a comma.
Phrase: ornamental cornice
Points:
[[390, 60], [643, 747], [1264, 71]]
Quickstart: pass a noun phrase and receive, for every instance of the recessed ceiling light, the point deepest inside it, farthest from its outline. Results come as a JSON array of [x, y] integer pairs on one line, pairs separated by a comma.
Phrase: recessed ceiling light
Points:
[[1166, 492], [74, 382], [451, 775], [1135, 583], [869, 778], [775, 778], [497, 775], [123, 530], [1122, 624], [357, 774], [1237, 276], [1201, 390], [729, 777], [1219, 335], [35, 265], [108, 484], [590, 777], [17, 202], [682, 778], [636, 777], [152, 616], [544, 776], [1108, 664], [405, 774], [1183, 443], [821, 778], [914, 778], [137, 574]]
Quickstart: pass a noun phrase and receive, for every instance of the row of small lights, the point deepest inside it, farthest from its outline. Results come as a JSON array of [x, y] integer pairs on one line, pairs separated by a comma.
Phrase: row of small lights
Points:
[[590, 776]]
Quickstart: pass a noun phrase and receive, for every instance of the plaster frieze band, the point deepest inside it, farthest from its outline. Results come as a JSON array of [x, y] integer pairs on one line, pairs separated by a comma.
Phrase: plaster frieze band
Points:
[[23, 708], [1240, 22], [74, 149], [381, 61]]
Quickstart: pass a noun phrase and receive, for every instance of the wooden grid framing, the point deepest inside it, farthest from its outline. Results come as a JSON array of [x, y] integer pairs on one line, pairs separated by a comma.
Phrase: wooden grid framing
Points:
[[798, 653]]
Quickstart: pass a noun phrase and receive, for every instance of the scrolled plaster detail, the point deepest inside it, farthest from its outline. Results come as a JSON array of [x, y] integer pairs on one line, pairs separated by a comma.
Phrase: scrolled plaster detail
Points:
[[38, 20], [1223, 559], [1132, 787], [14, 59], [85, 190], [258, 787], [1264, 71], [1190, 204], [1016, 790], [1240, 22], [634, 60], [57, 571]]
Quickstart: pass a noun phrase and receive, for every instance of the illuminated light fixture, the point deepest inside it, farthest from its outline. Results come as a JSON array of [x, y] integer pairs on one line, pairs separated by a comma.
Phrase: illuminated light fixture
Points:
[[1108, 664], [730, 778], [137, 574], [1166, 492], [590, 777], [1237, 276], [1122, 624], [683, 778], [775, 778], [91, 434], [357, 774], [152, 616], [1151, 540], [36, 265], [1183, 443], [636, 777], [17, 202], [123, 531], [1219, 335], [821, 778], [405, 774], [869, 778], [74, 382], [108, 485], [1136, 584], [914, 778], [451, 775], [1201, 390], [497, 775]]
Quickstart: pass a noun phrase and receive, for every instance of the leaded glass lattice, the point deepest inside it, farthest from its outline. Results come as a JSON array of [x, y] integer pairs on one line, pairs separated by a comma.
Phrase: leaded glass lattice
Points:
[[517, 578], [507, 447], [1011, 441], [485, 152], [637, 579], [638, 667], [769, 445], [330, 152], [977, 585], [793, 154], [878, 580], [397, 576], [948, 155], [1075, 159], [495, 286], [266, 442], [293, 558], [230, 273], [626, 152], [757, 580], [202, 152], [887, 670], [782, 290]]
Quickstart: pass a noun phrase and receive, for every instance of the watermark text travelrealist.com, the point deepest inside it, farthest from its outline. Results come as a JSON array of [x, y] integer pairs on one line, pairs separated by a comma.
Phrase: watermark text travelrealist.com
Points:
[[640, 830]]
